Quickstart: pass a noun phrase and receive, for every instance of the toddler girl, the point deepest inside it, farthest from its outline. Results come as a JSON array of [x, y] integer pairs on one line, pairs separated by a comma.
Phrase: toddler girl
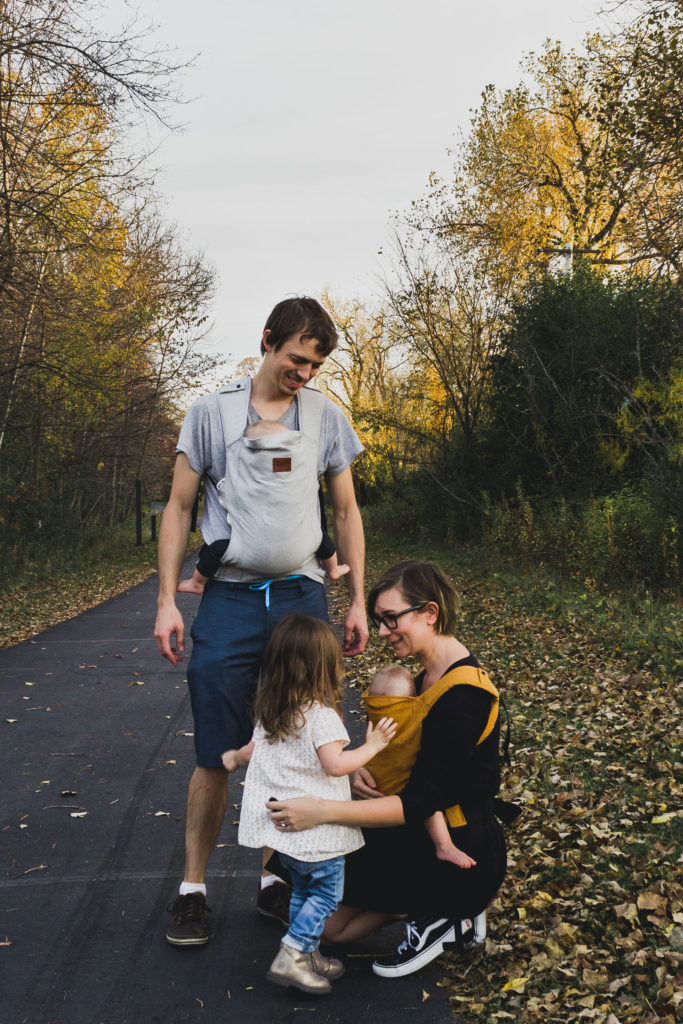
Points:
[[297, 750]]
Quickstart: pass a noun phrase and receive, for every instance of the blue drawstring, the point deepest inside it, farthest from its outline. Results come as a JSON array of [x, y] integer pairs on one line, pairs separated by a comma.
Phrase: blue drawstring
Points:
[[266, 586]]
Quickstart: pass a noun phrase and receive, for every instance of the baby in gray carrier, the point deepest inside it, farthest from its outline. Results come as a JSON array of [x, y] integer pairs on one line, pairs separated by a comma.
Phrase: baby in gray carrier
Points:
[[264, 462]]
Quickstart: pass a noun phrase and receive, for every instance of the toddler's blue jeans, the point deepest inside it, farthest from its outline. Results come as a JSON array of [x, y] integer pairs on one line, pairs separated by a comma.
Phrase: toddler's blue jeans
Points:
[[317, 889]]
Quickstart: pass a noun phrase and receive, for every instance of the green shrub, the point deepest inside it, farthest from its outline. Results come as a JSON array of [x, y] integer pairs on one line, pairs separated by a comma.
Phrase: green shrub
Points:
[[29, 557], [625, 540]]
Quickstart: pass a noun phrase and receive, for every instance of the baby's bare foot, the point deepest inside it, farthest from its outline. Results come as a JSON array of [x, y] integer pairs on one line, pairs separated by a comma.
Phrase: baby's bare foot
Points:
[[190, 587], [338, 571], [457, 857]]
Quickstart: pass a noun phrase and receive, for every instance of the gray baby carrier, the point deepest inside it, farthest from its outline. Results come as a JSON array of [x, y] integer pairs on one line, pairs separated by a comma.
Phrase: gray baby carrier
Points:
[[270, 487]]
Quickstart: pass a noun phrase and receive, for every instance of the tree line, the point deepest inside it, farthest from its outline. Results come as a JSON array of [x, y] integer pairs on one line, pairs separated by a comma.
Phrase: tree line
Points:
[[101, 307], [519, 378], [521, 375]]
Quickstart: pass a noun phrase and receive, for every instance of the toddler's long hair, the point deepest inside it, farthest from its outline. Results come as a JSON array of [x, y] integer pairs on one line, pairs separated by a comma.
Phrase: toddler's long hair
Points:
[[303, 665]]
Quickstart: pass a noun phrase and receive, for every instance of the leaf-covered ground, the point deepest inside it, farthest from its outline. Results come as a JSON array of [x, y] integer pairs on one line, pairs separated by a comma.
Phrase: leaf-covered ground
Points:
[[29, 609], [589, 923]]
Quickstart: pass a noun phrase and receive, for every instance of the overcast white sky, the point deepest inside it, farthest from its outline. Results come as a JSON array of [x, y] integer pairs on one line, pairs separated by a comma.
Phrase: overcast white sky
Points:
[[313, 120]]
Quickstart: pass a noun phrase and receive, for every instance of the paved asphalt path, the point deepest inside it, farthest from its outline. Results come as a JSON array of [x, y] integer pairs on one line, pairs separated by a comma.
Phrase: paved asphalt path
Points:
[[97, 750]]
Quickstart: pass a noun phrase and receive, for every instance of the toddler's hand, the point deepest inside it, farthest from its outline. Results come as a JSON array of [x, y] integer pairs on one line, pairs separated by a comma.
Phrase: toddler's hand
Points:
[[230, 760], [381, 734]]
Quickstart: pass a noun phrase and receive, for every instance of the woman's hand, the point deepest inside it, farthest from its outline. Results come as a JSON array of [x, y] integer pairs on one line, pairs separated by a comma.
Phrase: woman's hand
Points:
[[298, 814], [363, 785]]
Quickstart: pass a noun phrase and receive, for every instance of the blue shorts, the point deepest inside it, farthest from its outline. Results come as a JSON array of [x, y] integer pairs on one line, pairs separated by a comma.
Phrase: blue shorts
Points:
[[229, 637]]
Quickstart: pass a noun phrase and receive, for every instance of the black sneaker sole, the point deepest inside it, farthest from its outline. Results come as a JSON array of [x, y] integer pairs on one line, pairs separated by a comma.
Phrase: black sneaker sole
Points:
[[417, 962]]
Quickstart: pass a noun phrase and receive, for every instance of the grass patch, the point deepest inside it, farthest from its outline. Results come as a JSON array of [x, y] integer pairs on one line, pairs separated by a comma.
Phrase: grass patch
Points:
[[43, 583], [646, 629], [643, 628]]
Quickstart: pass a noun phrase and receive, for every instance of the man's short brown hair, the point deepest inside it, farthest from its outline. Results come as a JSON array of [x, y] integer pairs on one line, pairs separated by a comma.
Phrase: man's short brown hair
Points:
[[301, 315]]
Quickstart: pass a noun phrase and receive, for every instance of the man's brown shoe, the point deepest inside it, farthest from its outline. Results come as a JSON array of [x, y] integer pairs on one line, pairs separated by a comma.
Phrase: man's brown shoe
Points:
[[188, 925]]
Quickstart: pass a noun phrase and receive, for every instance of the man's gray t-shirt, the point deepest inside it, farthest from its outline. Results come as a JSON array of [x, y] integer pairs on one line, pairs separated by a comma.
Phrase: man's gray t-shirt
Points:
[[202, 441]]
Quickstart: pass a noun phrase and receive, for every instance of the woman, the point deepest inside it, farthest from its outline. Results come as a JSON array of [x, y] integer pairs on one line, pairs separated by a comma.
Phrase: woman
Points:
[[457, 771]]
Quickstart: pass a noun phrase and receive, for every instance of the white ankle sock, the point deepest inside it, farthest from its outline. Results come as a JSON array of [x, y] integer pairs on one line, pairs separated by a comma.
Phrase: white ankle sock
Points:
[[186, 887], [267, 880]]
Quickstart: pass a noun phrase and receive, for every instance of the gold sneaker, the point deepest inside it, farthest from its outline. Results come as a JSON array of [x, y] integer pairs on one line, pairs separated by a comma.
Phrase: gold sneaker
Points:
[[291, 967]]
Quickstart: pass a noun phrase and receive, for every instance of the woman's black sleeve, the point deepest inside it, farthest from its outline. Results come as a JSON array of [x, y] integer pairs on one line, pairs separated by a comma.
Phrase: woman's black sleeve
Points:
[[451, 768]]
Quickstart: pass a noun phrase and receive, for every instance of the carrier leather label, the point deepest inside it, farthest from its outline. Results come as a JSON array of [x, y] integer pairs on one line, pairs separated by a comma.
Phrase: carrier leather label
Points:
[[282, 465]]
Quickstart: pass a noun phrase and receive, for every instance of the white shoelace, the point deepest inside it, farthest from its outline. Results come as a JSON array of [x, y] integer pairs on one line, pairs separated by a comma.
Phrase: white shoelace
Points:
[[411, 940]]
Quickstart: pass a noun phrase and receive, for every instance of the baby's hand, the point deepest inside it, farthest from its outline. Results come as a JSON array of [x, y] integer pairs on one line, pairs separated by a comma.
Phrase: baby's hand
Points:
[[455, 856], [382, 733], [230, 760]]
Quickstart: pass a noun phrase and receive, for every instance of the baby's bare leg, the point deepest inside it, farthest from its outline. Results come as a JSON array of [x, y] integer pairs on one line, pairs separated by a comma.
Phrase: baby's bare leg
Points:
[[332, 567], [437, 830]]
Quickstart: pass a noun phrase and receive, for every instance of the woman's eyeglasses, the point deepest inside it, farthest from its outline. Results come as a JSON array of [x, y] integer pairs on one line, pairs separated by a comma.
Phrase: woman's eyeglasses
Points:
[[391, 621]]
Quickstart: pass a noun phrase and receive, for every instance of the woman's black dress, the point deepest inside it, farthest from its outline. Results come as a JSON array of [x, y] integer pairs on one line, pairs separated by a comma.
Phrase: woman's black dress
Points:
[[397, 871]]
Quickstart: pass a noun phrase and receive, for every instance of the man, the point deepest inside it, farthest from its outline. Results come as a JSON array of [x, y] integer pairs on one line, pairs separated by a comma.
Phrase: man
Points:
[[239, 610]]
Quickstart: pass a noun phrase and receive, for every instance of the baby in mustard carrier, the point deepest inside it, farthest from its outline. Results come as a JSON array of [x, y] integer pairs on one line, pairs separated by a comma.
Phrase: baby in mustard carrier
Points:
[[392, 692]]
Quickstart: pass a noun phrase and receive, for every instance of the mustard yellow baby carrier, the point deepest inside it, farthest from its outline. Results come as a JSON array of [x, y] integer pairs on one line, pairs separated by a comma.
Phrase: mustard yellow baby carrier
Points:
[[391, 767]]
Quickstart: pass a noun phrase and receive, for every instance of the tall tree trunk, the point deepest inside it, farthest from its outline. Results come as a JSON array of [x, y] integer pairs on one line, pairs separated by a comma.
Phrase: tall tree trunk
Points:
[[22, 345]]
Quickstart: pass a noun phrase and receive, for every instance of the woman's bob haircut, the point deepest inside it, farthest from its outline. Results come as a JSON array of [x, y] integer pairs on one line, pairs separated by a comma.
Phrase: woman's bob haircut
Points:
[[421, 583]]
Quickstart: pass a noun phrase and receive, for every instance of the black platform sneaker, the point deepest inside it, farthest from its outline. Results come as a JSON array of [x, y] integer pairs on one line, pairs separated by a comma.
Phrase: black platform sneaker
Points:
[[424, 941]]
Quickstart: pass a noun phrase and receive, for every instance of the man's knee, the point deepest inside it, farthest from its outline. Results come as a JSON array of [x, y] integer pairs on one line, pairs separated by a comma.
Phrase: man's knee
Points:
[[208, 782]]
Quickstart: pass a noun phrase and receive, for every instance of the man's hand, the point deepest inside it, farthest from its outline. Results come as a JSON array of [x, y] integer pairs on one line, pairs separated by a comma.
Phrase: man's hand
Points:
[[173, 537], [169, 623], [363, 784], [355, 631], [348, 535]]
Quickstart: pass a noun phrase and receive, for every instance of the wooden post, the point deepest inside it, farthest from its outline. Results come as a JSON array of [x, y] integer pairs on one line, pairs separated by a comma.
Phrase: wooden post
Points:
[[138, 513]]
